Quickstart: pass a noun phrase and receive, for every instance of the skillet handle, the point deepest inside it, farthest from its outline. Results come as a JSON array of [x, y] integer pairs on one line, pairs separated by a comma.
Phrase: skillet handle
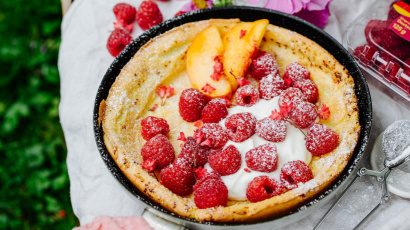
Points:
[[161, 222], [334, 204]]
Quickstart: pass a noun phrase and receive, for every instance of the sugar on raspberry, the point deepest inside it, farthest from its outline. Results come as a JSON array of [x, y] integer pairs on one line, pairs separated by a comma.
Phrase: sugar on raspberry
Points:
[[303, 114], [246, 95], [210, 191], [271, 86], [214, 111], [240, 126], [262, 65], [179, 177], [211, 135], [290, 96], [191, 104], [321, 140], [263, 158], [151, 126], [124, 13], [225, 161], [262, 188], [157, 153], [309, 90], [271, 130], [295, 72], [193, 153], [295, 172], [148, 14]]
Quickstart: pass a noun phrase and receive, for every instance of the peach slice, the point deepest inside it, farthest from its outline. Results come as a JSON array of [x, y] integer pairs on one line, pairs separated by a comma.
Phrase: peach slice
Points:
[[240, 45], [201, 57]]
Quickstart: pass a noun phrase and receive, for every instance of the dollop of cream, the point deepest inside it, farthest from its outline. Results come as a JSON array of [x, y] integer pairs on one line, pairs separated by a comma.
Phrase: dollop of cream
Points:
[[292, 148]]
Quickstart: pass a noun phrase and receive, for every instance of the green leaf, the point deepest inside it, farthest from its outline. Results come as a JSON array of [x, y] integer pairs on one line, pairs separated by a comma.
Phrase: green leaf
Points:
[[221, 3], [34, 184], [52, 204], [59, 182]]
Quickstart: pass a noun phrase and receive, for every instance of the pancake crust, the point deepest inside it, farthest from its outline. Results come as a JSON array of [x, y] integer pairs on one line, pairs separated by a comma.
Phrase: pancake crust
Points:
[[162, 61]]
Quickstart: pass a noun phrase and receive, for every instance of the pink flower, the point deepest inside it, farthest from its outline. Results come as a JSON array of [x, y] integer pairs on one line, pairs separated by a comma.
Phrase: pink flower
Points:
[[116, 223], [314, 11]]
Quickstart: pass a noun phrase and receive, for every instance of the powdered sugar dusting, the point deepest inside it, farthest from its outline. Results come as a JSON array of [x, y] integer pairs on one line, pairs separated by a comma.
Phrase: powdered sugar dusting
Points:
[[263, 158], [271, 130], [271, 86], [246, 95], [396, 138], [303, 188], [295, 71], [290, 149]]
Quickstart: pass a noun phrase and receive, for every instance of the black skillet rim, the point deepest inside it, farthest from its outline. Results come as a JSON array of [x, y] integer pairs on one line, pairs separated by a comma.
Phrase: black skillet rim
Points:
[[245, 13]]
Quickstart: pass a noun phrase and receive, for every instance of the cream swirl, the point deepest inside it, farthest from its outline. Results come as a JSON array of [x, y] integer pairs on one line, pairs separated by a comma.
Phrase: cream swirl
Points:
[[292, 148]]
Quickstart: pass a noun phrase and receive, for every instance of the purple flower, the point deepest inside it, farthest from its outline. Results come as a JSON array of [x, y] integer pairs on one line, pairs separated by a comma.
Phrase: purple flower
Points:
[[314, 11]]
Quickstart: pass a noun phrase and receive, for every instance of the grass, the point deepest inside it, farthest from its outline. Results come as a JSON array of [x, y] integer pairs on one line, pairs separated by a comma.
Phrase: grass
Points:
[[34, 185]]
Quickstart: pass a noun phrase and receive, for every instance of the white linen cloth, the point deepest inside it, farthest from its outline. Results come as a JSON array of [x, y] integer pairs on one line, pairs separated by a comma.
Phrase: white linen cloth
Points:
[[83, 61]]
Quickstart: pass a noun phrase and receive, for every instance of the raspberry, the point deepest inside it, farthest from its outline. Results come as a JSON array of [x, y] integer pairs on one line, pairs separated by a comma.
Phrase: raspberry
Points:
[[157, 153], [365, 53], [295, 172], [148, 15], [211, 135], [262, 188], [214, 111], [271, 86], [125, 13], [309, 90], [195, 154], [201, 175], [151, 126], [295, 72], [378, 32], [240, 126], [210, 192], [263, 158], [271, 130], [321, 140], [246, 95], [117, 41], [225, 162], [303, 114], [290, 96], [178, 177], [401, 52], [372, 24], [191, 104], [263, 64]]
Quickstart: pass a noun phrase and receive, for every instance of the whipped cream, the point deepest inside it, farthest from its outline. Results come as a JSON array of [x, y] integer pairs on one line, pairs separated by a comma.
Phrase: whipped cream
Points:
[[292, 148]]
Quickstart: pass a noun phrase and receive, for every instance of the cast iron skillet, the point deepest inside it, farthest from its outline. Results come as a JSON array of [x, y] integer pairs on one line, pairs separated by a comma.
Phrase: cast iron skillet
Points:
[[245, 14]]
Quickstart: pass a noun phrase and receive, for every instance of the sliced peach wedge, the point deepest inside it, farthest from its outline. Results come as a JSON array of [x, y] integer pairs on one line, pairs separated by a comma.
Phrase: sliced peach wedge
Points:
[[240, 45], [204, 66]]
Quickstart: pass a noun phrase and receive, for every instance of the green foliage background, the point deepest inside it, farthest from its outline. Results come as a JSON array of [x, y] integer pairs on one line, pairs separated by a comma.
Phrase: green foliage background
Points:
[[34, 186]]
